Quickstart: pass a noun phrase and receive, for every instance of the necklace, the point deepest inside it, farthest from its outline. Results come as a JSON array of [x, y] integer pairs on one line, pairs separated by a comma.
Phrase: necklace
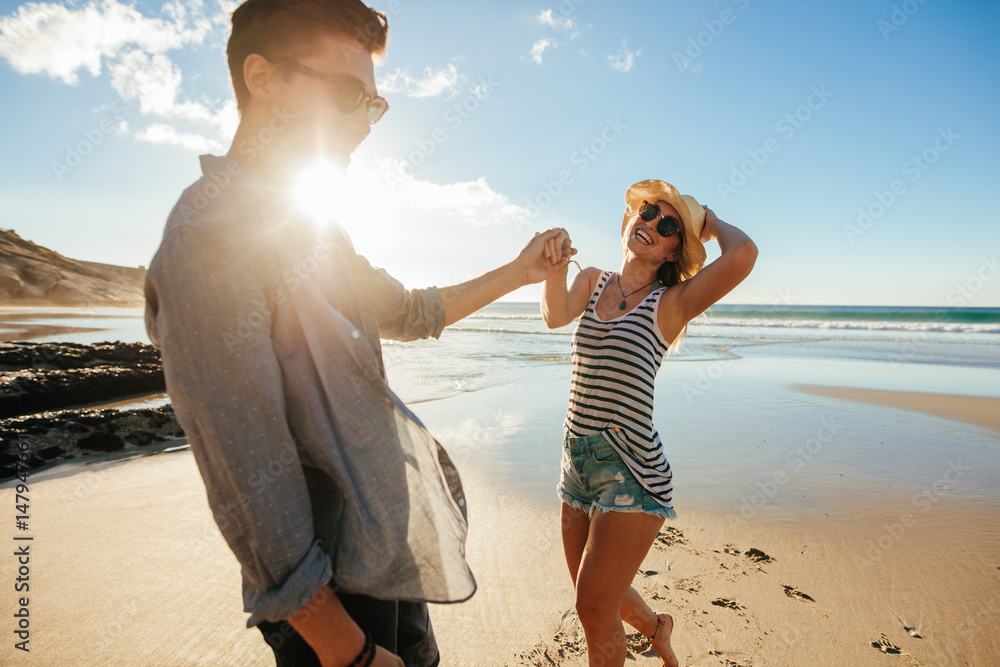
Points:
[[624, 297]]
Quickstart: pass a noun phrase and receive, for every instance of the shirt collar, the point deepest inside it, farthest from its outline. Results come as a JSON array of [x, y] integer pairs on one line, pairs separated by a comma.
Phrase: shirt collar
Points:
[[244, 177]]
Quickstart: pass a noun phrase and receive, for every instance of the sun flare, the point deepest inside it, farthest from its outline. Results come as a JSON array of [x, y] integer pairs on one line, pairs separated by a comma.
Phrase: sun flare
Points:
[[322, 192]]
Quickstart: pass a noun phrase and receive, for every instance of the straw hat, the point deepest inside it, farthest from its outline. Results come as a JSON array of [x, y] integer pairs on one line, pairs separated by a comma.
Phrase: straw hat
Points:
[[691, 212]]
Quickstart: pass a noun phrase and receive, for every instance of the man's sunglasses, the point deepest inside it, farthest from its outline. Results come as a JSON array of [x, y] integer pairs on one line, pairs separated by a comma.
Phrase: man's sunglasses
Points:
[[351, 93], [668, 226]]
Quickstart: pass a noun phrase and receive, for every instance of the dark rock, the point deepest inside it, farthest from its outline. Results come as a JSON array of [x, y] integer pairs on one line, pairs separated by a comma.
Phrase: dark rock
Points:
[[140, 438], [49, 453], [100, 442], [57, 436], [35, 377]]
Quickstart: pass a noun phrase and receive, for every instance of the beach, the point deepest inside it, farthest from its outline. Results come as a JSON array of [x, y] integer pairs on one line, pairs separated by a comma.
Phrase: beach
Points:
[[838, 497]]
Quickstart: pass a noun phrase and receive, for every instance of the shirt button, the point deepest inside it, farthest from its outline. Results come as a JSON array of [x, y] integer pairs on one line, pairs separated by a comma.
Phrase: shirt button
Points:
[[355, 334]]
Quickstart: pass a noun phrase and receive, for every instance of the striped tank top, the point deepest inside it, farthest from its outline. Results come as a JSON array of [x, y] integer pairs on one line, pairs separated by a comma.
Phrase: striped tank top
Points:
[[614, 368]]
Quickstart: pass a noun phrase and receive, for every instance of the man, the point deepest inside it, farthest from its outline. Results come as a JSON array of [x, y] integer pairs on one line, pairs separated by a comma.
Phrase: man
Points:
[[344, 513]]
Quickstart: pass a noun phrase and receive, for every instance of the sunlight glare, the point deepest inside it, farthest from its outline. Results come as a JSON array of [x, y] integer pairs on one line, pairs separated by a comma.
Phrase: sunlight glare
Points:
[[322, 192]]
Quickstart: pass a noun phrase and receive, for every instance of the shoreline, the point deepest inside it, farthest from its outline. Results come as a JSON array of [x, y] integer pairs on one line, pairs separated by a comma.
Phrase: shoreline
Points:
[[976, 410]]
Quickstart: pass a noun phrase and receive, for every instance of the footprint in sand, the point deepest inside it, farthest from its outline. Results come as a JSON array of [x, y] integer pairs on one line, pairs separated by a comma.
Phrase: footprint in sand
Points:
[[884, 645], [689, 585], [740, 659], [637, 644], [671, 536], [796, 594], [758, 556], [728, 604]]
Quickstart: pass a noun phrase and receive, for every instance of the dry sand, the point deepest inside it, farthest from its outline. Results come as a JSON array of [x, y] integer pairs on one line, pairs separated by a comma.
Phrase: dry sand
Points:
[[127, 568], [977, 410]]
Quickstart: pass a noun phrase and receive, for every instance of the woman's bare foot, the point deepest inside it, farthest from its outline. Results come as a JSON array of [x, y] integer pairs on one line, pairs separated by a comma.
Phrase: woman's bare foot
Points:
[[661, 639]]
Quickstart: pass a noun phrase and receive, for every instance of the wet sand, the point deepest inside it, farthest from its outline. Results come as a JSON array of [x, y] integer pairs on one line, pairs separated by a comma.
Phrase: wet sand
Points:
[[869, 565]]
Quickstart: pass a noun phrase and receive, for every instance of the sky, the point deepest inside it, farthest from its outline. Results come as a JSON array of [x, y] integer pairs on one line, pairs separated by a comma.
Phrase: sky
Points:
[[856, 142]]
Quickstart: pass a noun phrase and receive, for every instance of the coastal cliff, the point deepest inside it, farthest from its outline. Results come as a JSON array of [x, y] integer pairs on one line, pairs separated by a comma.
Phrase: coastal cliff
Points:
[[31, 275]]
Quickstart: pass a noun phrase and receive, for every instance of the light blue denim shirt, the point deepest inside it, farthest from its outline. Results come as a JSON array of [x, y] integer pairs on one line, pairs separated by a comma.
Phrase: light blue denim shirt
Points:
[[315, 471]]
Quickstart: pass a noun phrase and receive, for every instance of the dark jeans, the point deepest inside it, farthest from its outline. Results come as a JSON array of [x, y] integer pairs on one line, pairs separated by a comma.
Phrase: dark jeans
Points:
[[401, 627]]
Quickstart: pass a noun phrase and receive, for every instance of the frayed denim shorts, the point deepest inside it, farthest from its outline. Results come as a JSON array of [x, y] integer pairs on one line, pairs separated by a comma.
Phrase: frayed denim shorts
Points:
[[593, 476]]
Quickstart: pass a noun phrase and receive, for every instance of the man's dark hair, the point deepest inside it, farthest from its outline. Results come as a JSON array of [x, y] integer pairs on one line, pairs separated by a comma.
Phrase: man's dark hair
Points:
[[279, 29]]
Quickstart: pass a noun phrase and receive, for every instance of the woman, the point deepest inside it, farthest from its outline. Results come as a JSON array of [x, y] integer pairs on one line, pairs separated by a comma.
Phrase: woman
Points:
[[613, 459]]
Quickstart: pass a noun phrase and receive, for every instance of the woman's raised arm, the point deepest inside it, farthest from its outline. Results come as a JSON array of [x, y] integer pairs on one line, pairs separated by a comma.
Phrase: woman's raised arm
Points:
[[694, 296], [562, 305]]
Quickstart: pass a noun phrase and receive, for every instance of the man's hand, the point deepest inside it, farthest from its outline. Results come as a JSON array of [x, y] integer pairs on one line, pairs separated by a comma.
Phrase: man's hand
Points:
[[545, 254], [331, 633]]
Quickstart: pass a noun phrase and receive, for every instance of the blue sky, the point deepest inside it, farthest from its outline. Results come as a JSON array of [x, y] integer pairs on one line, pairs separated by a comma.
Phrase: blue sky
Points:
[[789, 119]]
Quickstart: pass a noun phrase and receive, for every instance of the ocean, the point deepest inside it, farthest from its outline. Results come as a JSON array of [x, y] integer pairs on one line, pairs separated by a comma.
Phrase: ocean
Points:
[[507, 343]]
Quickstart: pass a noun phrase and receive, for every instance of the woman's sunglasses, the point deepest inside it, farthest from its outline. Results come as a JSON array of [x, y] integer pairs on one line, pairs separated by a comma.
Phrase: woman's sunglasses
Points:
[[668, 226], [351, 93]]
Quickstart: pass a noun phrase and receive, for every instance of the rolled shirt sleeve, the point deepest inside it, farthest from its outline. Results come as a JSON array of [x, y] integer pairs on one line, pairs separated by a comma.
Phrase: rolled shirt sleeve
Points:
[[211, 319], [403, 314]]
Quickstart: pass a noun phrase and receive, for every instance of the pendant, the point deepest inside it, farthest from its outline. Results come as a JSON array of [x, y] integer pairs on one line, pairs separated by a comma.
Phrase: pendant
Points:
[[622, 306]]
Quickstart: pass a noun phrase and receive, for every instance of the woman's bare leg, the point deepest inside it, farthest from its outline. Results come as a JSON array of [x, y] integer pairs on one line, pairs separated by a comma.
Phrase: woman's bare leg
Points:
[[657, 626], [575, 531], [633, 609], [617, 544]]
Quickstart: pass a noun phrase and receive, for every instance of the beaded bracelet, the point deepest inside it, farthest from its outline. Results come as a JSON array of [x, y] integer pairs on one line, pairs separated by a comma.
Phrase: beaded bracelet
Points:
[[367, 655]]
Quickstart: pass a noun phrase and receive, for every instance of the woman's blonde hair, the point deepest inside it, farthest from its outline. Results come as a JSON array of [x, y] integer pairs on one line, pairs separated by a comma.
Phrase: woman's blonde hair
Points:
[[672, 273]]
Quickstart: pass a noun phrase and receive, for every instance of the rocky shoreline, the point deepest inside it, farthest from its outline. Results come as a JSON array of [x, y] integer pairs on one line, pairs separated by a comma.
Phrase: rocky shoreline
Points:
[[44, 385]]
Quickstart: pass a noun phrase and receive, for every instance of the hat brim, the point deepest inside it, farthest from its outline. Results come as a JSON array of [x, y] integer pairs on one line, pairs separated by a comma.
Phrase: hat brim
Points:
[[691, 212]]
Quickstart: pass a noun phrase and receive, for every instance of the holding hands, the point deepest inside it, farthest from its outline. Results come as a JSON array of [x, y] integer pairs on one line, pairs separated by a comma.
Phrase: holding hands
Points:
[[545, 254]]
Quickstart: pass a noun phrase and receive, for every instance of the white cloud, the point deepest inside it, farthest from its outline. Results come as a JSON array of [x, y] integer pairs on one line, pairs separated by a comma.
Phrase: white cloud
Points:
[[432, 84], [546, 18], [392, 184], [538, 48], [475, 200], [624, 60], [108, 36], [154, 82], [158, 133], [59, 41]]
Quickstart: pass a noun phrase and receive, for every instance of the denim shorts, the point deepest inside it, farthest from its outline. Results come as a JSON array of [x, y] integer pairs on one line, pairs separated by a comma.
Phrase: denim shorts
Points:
[[593, 476]]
